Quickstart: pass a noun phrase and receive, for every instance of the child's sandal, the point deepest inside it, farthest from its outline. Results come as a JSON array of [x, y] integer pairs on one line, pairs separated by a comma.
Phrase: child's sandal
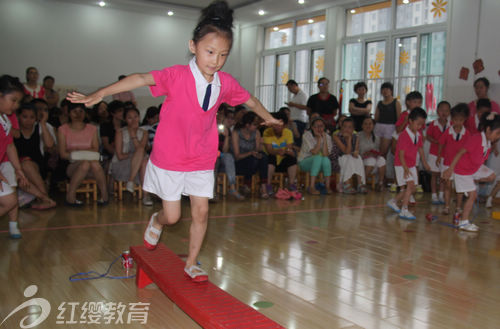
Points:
[[196, 273], [149, 241]]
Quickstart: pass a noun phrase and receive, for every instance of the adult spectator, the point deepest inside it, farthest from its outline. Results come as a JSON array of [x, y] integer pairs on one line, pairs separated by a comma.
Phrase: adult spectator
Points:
[[298, 106], [481, 87], [360, 107], [51, 96], [126, 96], [31, 87], [324, 103]]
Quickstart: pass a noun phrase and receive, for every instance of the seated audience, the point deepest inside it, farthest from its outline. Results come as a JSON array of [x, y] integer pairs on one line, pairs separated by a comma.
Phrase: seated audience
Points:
[[369, 148], [108, 129], [130, 158], [74, 138], [247, 150], [51, 96], [150, 123], [345, 157], [278, 143], [313, 155], [35, 139], [293, 128]]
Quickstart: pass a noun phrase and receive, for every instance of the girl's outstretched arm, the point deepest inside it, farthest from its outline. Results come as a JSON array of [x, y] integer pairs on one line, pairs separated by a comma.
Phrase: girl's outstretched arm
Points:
[[255, 105], [132, 81]]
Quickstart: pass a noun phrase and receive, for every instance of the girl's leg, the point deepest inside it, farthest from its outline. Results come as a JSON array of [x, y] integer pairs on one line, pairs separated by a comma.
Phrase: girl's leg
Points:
[[32, 172], [100, 178], [468, 206], [77, 172], [270, 172], [13, 214], [135, 164], [492, 195], [460, 201], [7, 202], [384, 146], [447, 194], [326, 167], [199, 213], [381, 175], [307, 165], [292, 174], [410, 189], [434, 177]]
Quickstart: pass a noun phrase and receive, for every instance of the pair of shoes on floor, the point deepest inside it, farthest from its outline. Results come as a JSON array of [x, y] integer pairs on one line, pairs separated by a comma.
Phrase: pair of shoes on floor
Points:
[[76, 204], [48, 204], [14, 232], [406, 214], [284, 194], [362, 189], [233, 194], [467, 226], [130, 187], [102, 202], [348, 189]]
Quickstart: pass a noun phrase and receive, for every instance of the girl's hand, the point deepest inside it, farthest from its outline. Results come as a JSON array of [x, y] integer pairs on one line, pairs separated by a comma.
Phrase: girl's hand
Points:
[[447, 174], [22, 180], [438, 162], [44, 116], [355, 154], [75, 97], [427, 167], [406, 172]]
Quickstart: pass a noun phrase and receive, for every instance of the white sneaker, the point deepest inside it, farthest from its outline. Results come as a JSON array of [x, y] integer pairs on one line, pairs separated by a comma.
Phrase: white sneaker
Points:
[[435, 200], [406, 214], [489, 202], [412, 200], [130, 187], [467, 226], [146, 200], [392, 204]]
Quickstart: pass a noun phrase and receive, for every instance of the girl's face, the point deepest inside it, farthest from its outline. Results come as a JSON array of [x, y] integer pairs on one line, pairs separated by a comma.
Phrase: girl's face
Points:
[[102, 110], [492, 135], [48, 84], [32, 75], [77, 114], [10, 102], [41, 110], [118, 114], [481, 90], [132, 119], [368, 126], [347, 127], [318, 128], [153, 120], [413, 103], [27, 119], [416, 125], [323, 85], [458, 121], [211, 53], [443, 112], [386, 92], [361, 91]]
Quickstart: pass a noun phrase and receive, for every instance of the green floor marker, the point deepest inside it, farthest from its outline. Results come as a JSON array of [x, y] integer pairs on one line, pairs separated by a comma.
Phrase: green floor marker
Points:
[[410, 277], [263, 304]]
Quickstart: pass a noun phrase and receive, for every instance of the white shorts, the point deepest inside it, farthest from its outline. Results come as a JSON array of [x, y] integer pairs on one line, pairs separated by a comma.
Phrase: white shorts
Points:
[[10, 174], [431, 160], [444, 168], [377, 162], [400, 175], [466, 183], [170, 185], [384, 130]]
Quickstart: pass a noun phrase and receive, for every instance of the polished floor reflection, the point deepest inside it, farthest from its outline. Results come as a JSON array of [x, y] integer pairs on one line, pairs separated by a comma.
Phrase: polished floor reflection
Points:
[[323, 262]]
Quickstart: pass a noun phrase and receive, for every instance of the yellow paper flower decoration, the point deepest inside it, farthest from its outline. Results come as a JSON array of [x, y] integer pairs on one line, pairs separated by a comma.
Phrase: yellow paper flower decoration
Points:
[[379, 58], [316, 78], [375, 71], [284, 77], [277, 63], [320, 63], [284, 38], [404, 57], [439, 7], [407, 89]]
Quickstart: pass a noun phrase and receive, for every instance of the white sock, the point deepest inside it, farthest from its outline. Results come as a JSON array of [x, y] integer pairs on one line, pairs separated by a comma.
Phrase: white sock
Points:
[[441, 195], [434, 196], [463, 222], [404, 208], [13, 229]]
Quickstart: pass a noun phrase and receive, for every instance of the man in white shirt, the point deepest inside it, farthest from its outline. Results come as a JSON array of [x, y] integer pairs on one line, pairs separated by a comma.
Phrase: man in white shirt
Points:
[[297, 105]]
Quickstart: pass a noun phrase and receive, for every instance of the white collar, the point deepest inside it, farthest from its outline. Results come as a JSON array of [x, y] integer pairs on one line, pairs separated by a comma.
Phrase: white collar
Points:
[[412, 135], [454, 134], [476, 119], [486, 144], [199, 78], [441, 128], [5, 123]]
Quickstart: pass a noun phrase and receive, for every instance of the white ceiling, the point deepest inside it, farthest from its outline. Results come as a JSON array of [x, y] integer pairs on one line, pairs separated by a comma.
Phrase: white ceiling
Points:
[[246, 11]]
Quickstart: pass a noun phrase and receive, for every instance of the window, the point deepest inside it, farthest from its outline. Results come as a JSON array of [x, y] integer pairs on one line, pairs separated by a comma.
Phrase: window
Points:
[[311, 30], [279, 36], [389, 51], [420, 12], [293, 50], [369, 19]]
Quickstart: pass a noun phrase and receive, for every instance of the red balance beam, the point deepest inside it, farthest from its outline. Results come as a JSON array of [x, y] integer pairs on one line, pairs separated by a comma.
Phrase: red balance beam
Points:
[[204, 302]]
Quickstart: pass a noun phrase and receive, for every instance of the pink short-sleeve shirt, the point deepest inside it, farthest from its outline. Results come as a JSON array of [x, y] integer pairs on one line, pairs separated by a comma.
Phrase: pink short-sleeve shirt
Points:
[[452, 143], [186, 138], [78, 140], [478, 149], [435, 130], [14, 125], [406, 142]]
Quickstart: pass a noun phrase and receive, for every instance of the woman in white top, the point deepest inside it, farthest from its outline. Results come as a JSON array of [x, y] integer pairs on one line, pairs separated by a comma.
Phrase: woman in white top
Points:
[[313, 155], [369, 148]]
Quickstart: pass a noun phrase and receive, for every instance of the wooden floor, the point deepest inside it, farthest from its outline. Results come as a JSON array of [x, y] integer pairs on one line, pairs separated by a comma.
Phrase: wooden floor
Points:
[[324, 262]]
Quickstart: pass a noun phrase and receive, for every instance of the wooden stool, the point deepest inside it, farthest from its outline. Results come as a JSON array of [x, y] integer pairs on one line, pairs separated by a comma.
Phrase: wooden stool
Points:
[[221, 184], [119, 187], [240, 181], [278, 179], [87, 186], [371, 180], [255, 183]]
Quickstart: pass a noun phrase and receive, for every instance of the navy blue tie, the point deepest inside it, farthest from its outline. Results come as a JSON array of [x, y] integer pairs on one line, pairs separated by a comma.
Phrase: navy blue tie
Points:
[[206, 100], [458, 137]]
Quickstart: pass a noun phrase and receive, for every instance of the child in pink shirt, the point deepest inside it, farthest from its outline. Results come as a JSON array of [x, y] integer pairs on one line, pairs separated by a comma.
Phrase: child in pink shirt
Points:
[[409, 144], [450, 142], [185, 145], [434, 132], [11, 93], [469, 168]]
